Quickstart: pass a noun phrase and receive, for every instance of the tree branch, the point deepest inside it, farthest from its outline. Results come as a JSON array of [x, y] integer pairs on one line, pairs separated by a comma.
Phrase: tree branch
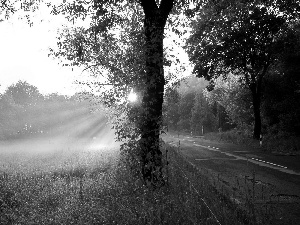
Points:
[[166, 7], [148, 6]]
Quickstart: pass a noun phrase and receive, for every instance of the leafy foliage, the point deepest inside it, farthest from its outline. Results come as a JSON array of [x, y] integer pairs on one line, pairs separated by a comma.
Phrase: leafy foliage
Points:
[[171, 108], [281, 98], [235, 98], [23, 93], [243, 38], [203, 115], [132, 57], [187, 109]]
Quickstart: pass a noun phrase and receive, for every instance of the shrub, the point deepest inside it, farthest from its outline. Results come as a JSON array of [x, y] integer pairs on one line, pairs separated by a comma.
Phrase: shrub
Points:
[[281, 142]]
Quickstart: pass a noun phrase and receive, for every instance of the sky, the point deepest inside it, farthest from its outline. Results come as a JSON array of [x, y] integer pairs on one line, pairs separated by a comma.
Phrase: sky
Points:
[[24, 55]]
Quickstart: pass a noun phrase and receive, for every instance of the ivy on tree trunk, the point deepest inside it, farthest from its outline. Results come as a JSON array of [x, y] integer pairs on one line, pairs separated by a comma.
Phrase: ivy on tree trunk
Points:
[[151, 155]]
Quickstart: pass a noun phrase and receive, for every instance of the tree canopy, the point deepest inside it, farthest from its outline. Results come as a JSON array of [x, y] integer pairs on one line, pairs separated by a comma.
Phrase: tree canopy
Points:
[[242, 38]]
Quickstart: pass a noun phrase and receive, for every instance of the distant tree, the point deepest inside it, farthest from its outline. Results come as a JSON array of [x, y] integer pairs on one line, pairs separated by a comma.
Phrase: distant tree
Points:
[[235, 97], [203, 115], [185, 111], [241, 37], [198, 113], [171, 108], [23, 93], [8, 115], [224, 122]]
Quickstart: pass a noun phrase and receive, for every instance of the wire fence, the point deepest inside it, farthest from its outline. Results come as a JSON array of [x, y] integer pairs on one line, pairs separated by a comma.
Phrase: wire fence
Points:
[[250, 199], [192, 186]]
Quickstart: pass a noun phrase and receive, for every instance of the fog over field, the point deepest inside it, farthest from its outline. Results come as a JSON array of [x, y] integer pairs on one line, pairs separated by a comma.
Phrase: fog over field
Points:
[[79, 143], [42, 133]]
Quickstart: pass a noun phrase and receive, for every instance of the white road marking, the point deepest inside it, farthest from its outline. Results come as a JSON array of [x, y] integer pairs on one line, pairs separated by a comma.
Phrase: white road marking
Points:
[[253, 160], [270, 163], [215, 159]]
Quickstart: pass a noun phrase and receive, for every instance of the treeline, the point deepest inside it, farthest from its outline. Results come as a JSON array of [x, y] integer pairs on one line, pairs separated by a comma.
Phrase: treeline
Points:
[[190, 107], [25, 111]]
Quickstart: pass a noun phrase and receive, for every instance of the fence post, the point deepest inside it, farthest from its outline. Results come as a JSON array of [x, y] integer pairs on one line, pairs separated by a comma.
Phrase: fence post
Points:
[[253, 192], [80, 189], [167, 166], [260, 140], [253, 187]]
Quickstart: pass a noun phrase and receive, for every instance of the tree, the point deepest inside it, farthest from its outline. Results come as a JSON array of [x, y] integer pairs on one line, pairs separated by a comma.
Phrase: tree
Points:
[[241, 37], [202, 115], [185, 110], [23, 93], [235, 98], [155, 18], [132, 61], [80, 45], [171, 108], [198, 113], [281, 100]]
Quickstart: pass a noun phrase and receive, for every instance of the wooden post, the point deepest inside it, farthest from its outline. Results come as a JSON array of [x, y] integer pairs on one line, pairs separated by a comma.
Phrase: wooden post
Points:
[[80, 189], [253, 187], [260, 140], [167, 166]]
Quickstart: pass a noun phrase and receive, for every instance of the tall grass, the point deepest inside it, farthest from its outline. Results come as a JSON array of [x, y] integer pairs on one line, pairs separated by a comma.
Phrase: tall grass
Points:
[[233, 136], [280, 143], [109, 194]]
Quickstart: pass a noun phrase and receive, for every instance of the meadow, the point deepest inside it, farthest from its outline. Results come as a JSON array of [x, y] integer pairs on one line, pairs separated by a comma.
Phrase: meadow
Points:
[[106, 192]]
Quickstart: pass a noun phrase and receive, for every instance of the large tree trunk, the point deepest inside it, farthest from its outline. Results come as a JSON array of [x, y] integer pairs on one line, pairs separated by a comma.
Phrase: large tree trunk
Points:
[[155, 19], [256, 99], [257, 117]]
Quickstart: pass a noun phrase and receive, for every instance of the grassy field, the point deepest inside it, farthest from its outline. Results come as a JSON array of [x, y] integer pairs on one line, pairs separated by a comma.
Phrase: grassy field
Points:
[[107, 194]]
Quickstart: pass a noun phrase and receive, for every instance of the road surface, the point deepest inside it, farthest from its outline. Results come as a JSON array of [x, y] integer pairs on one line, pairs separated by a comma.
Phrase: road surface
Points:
[[243, 171]]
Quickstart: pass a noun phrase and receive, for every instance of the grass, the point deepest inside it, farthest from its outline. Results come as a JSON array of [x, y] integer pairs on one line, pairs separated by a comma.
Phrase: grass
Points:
[[109, 194], [232, 136], [282, 143], [279, 143]]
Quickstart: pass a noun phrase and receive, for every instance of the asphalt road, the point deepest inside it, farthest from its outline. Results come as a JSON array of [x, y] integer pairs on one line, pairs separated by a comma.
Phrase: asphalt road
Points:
[[85, 142], [244, 171]]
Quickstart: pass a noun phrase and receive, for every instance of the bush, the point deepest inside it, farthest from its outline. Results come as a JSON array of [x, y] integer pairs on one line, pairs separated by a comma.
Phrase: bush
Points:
[[233, 136], [281, 142]]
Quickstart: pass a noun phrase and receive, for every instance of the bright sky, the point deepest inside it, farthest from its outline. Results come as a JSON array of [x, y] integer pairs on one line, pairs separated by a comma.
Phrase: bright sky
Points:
[[24, 56]]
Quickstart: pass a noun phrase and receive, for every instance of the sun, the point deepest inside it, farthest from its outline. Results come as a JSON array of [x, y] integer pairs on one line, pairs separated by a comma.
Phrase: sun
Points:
[[132, 97]]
